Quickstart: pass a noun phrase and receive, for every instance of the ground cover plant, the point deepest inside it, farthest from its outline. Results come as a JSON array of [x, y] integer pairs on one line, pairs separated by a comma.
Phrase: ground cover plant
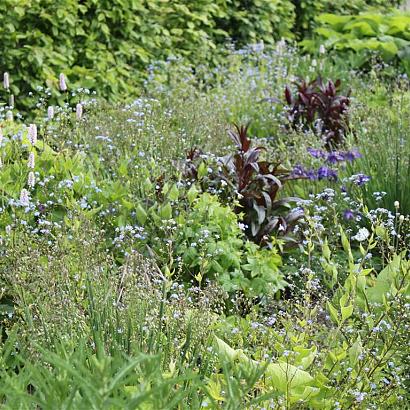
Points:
[[236, 237]]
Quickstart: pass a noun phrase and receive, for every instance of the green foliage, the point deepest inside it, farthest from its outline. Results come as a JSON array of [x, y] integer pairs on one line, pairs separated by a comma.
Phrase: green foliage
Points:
[[308, 10], [383, 35], [211, 245], [106, 46], [385, 140], [248, 22], [89, 322]]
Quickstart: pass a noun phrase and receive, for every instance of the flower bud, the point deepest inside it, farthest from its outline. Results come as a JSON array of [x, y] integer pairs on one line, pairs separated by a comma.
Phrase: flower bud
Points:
[[9, 115], [397, 204], [401, 218], [6, 81]]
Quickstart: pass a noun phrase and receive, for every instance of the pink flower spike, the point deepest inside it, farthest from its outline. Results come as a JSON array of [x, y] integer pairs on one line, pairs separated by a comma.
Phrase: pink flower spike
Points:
[[63, 85]]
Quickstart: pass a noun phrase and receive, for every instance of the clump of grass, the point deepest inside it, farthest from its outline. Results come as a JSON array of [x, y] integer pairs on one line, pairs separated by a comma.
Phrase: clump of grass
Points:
[[383, 137]]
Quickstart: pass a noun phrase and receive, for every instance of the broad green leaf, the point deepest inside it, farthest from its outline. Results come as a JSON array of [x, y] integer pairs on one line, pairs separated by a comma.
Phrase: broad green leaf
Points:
[[284, 376], [346, 311], [140, 214]]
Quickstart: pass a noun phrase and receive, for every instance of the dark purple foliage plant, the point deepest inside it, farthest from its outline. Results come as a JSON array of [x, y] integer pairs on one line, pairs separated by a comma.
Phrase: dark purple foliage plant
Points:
[[256, 183], [320, 107]]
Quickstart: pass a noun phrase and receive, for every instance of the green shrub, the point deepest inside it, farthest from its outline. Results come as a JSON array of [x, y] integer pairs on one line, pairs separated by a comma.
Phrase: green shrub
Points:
[[107, 45], [308, 10], [251, 21], [366, 35], [211, 245]]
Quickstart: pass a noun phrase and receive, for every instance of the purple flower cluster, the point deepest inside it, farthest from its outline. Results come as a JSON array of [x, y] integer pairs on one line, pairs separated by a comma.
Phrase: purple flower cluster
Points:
[[348, 214], [359, 179], [334, 157], [315, 174]]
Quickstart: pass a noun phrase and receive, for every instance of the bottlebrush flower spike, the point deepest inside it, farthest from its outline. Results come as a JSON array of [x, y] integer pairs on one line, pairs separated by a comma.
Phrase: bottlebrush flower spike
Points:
[[31, 160], [32, 134], [79, 111], [24, 197], [50, 112], [31, 181], [63, 85]]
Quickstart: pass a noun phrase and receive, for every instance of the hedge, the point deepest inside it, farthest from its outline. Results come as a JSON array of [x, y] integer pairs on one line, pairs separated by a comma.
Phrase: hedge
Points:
[[107, 44]]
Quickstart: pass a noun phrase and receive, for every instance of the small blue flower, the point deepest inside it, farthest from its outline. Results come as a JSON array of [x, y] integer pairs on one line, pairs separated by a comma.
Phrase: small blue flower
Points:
[[316, 153], [360, 179], [348, 214], [328, 173], [334, 157], [352, 155]]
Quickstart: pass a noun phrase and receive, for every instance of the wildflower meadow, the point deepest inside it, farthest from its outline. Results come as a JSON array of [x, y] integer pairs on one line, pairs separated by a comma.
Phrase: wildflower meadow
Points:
[[204, 204]]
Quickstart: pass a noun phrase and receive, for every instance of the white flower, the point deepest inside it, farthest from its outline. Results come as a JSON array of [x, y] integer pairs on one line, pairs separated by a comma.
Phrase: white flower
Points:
[[322, 49], [397, 204], [9, 115], [63, 85], [32, 134], [1, 136], [6, 81], [361, 235]]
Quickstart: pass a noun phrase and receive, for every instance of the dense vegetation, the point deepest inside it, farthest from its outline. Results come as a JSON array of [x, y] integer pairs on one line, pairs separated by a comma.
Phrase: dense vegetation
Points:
[[109, 45], [235, 237]]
